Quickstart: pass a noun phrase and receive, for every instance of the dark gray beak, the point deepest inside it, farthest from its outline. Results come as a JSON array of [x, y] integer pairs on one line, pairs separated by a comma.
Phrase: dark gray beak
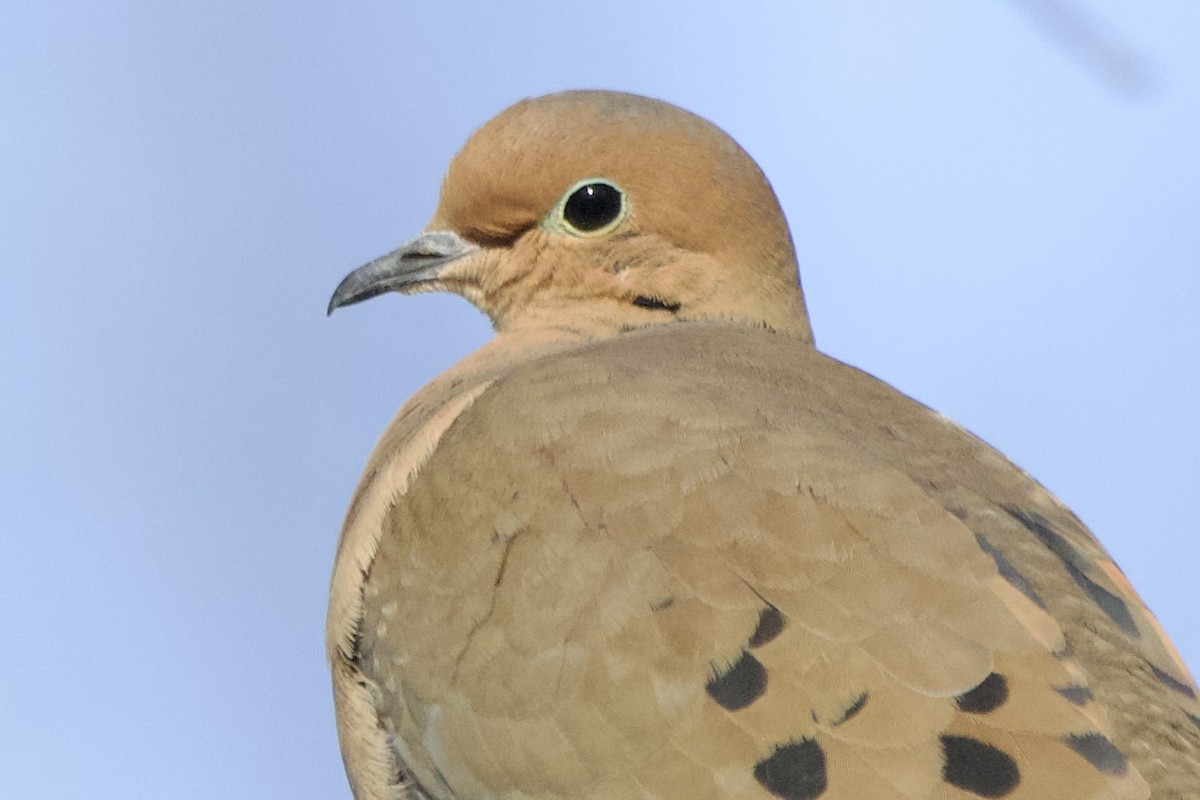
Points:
[[419, 262]]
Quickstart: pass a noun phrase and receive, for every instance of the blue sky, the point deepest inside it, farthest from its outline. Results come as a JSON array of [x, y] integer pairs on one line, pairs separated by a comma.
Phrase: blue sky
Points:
[[989, 215]]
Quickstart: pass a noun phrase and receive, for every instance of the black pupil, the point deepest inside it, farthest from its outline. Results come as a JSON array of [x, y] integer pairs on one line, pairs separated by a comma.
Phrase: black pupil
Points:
[[591, 207]]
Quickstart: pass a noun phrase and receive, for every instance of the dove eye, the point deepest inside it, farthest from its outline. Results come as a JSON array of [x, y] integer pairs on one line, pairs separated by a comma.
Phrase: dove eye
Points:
[[592, 207]]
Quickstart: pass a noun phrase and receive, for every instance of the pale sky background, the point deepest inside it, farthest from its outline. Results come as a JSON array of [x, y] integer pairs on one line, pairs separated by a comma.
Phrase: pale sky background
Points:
[[989, 215]]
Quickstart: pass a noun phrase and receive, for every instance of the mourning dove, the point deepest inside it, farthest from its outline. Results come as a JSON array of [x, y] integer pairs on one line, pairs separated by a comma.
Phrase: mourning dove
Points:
[[650, 543]]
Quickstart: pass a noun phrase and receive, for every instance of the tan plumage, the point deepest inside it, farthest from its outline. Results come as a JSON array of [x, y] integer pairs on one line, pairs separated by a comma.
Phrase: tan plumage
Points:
[[649, 543]]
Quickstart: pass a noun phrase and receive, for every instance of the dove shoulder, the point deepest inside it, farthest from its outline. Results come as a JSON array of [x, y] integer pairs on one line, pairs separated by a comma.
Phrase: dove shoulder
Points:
[[705, 560]]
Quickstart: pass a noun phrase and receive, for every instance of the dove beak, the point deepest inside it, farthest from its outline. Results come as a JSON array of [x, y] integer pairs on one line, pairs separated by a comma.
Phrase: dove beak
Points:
[[412, 267]]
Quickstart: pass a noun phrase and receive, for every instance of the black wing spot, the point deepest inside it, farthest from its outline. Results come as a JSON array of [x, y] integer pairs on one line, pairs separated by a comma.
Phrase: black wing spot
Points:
[[770, 624], [740, 685], [1077, 694], [1108, 602], [1009, 572], [795, 771], [1099, 751], [977, 767], [989, 695], [1040, 527], [1172, 682], [656, 303], [853, 709], [663, 604]]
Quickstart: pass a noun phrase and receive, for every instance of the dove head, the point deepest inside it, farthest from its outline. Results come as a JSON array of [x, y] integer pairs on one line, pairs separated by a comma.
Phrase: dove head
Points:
[[596, 213]]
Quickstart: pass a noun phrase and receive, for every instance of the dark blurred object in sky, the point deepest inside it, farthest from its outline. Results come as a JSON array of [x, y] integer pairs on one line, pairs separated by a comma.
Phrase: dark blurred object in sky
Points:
[[1112, 59]]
